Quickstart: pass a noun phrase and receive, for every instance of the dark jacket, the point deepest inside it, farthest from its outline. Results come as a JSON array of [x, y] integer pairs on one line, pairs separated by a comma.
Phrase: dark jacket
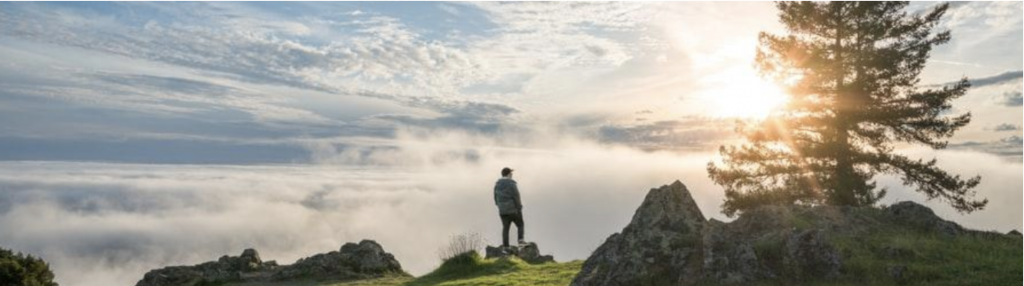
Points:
[[506, 196]]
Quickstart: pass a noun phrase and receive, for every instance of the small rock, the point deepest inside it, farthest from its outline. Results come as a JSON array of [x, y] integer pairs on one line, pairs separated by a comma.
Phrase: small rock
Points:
[[495, 252], [528, 252]]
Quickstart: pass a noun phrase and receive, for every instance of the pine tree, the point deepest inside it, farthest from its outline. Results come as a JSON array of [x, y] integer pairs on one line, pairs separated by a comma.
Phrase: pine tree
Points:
[[851, 70]]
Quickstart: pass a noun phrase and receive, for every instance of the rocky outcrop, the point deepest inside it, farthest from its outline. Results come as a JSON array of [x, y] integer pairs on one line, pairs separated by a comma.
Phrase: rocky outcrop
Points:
[[661, 245], [922, 217], [247, 266], [668, 242], [528, 252], [353, 261]]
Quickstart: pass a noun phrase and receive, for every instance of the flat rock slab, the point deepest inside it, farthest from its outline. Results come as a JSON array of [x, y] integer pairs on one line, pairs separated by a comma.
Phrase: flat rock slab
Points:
[[528, 252]]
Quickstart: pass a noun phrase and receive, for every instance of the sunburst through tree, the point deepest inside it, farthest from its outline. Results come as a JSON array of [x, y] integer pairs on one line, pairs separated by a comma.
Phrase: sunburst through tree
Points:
[[851, 70]]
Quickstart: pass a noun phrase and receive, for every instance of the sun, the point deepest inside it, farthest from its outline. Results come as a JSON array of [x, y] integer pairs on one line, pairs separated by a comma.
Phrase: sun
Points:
[[742, 94]]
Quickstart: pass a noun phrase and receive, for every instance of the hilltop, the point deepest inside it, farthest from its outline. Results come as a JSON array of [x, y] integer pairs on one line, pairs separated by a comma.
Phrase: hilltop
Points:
[[669, 242]]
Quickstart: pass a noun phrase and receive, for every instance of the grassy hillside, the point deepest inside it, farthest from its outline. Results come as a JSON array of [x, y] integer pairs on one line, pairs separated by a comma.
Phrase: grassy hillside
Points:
[[884, 254], [470, 269], [931, 260], [925, 259]]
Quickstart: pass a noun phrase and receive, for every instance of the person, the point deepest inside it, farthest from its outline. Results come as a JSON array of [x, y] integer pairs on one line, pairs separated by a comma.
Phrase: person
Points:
[[510, 207]]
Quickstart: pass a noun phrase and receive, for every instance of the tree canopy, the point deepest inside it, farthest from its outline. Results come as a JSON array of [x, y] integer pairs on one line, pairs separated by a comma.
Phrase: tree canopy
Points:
[[851, 70], [24, 270]]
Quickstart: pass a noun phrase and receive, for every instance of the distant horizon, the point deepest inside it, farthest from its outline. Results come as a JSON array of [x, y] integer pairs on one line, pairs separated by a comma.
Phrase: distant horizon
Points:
[[143, 134]]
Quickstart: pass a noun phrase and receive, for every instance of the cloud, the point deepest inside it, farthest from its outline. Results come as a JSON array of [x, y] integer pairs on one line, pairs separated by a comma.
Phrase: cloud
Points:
[[106, 224], [1011, 98], [226, 59], [164, 83], [689, 133], [1006, 127], [986, 81], [378, 51], [174, 149], [997, 79], [450, 9], [1008, 147], [983, 15]]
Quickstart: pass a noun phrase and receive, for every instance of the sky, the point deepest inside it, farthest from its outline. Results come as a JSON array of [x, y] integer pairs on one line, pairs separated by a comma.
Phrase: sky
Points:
[[140, 135]]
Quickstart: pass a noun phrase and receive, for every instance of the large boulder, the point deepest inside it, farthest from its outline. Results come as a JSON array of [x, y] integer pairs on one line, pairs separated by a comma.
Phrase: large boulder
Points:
[[661, 245], [366, 259], [352, 261], [922, 217], [528, 252]]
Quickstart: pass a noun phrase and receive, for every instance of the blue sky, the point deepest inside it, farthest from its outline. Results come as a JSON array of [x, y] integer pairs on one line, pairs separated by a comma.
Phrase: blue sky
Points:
[[128, 125]]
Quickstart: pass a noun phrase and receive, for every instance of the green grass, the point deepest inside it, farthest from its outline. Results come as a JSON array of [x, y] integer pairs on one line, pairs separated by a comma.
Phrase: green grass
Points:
[[471, 269], [932, 259]]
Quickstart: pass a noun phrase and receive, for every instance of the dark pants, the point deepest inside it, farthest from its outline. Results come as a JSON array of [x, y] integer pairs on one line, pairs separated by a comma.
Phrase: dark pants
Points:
[[506, 221]]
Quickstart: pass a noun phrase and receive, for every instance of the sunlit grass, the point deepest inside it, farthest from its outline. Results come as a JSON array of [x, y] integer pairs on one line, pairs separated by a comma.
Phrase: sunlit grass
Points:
[[474, 270]]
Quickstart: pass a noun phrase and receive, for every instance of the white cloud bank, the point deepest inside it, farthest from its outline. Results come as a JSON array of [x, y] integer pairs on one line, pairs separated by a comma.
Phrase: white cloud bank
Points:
[[106, 224]]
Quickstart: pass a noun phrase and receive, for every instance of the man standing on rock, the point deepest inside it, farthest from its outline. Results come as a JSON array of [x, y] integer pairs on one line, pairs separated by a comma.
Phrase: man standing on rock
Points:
[[510, 207]]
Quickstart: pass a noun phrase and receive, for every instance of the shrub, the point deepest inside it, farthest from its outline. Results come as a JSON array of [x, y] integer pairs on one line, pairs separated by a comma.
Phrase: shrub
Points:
[[19, 269], [459, 245]]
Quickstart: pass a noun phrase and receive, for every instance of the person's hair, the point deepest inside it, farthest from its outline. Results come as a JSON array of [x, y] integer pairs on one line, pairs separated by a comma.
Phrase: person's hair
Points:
[[505, 172]]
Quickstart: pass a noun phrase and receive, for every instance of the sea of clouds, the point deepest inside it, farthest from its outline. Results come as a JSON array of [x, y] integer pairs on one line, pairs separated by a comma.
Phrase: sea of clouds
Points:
[[109, 223]]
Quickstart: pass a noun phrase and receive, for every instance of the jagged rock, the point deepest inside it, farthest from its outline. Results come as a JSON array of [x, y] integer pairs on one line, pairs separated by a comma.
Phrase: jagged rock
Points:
[[661, 245], [668, 242], [919, 216], [355, 261], [528, 252]]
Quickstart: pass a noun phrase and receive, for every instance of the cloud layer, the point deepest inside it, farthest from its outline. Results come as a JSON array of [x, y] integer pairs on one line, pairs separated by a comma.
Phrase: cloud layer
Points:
[[106, 224]]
